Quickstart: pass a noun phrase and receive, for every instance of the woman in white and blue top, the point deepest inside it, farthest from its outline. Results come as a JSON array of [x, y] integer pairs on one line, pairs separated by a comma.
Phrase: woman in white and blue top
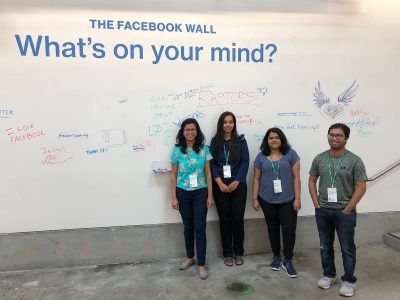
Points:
[[191, 190], [276, 189]]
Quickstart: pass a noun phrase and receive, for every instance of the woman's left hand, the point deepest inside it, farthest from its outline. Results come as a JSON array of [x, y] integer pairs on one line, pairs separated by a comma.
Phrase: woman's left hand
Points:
[[296, 205], [210, 201], [233, 186], [256, 205]]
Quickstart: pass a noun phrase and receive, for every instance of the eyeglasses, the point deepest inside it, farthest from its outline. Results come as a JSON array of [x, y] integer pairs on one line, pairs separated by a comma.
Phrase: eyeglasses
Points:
[[190, 130], [335, 136]]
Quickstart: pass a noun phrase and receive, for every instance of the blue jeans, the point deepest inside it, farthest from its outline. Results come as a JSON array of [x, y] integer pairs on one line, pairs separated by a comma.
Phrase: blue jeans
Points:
[[193, 209], [329, 220]]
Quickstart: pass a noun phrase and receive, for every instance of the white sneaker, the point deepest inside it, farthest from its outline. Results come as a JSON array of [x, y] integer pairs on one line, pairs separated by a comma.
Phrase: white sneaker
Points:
[[326, 282], [347, 289]]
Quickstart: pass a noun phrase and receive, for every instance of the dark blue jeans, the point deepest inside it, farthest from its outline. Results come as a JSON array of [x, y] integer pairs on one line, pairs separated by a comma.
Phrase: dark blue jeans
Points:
[[193, 209], [329, 220]]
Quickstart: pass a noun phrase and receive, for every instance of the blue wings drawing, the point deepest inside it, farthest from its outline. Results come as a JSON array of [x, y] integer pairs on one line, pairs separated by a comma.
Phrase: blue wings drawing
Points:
[[345, 98]]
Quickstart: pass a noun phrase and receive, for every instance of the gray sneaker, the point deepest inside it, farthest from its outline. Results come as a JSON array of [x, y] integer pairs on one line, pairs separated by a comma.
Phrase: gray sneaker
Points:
[[203, 274], [326, 282], [347, 289], [186, 264]]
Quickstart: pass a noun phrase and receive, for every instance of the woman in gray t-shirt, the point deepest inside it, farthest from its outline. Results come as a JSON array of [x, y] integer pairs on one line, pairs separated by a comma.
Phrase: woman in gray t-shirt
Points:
[[276, 190]]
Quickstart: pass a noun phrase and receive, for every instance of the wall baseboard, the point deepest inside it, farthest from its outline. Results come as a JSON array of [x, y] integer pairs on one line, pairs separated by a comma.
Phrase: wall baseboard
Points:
[[111, 245]]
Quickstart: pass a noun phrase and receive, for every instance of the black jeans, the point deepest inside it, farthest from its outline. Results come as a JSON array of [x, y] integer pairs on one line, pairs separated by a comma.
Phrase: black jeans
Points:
[[193, 209], [230, 208], [279, 216]]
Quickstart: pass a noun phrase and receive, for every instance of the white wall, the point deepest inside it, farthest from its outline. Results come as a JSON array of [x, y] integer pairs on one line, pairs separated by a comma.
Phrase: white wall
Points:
[[125, 109]]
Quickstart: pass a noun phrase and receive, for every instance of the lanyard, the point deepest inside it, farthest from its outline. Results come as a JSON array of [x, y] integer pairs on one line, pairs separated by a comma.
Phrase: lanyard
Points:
[[226, 154], [276, 172], [189, 157], [333, 176]]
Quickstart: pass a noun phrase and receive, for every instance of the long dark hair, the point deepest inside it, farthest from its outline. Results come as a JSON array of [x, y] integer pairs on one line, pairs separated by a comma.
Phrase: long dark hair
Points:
[[219, 138], [285, 146], [181, 141]]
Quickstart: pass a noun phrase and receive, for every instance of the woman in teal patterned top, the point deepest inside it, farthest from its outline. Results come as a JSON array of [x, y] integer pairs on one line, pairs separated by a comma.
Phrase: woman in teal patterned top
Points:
[[191, 190]]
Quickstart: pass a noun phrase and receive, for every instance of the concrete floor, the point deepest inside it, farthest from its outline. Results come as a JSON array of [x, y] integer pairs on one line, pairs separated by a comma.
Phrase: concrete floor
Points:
[[378, 271]]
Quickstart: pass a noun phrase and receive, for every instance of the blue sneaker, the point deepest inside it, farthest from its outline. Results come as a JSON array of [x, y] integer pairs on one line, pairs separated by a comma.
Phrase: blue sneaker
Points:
[[276, 263], [287, 265]]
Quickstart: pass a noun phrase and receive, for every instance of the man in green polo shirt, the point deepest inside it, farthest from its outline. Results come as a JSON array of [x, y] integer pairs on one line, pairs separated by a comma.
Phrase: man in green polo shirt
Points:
[[342, 184]]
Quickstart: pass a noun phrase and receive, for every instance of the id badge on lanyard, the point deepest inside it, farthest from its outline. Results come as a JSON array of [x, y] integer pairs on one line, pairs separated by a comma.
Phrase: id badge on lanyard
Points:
[[277, 186], [227, 171], [193, 180], [332, 195]]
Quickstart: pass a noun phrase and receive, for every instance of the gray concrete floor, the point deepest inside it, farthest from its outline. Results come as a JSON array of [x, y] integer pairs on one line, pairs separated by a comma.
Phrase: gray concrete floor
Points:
[[378, 271]]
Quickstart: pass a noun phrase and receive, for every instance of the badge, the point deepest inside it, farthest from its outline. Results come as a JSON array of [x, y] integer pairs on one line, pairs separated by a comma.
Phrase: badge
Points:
[[277, 186], [332, 195], [193, 180], [227, 171]]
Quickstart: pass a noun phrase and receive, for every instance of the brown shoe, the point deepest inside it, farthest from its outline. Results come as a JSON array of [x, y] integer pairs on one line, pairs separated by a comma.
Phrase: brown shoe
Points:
[[228, 261], [239, 260]]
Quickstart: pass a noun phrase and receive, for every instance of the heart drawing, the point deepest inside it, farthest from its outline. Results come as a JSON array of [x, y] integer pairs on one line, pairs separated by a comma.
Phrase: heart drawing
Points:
[[333, 112]]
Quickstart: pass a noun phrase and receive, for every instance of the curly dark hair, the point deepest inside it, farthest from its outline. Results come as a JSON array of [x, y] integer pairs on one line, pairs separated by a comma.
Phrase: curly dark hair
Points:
[[219, 138], [285, 146], [181, 141]]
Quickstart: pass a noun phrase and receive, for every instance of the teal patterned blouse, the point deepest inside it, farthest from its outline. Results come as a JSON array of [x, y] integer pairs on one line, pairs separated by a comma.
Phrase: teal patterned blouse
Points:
[[190, 163]]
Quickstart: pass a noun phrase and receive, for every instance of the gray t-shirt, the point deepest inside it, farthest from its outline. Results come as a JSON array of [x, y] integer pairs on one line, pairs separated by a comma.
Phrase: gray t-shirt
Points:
[[350, 171], [266, 191]]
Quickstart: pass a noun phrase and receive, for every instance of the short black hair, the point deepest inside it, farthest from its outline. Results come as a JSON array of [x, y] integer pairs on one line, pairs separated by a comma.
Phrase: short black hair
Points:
[[344, 127]]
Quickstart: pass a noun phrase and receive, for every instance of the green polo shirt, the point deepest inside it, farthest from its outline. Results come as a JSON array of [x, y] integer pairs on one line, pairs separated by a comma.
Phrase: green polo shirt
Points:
[[350, 171]]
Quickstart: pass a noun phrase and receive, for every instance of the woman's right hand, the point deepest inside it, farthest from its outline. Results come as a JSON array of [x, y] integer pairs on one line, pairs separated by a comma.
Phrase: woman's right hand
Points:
[[256, 204], [210, 201], [223, 187], [175, 203]]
